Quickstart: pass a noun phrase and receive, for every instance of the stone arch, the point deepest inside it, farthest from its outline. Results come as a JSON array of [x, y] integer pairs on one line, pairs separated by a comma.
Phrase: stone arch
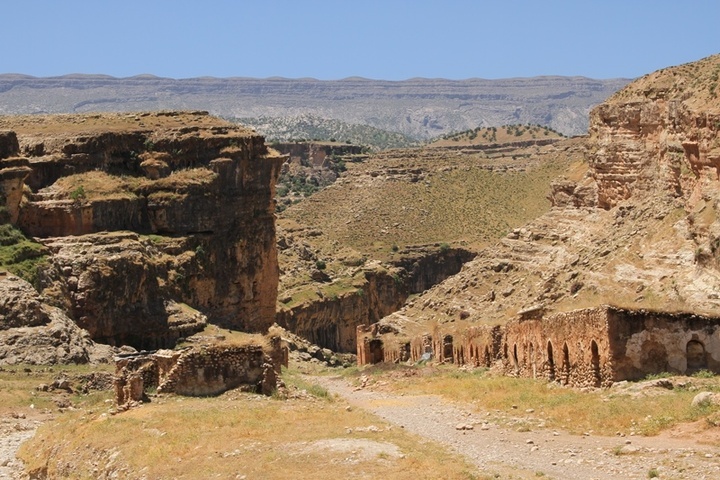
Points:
[[565, 368], [595, 363], [377, 351], [551, 361], [696, 356]]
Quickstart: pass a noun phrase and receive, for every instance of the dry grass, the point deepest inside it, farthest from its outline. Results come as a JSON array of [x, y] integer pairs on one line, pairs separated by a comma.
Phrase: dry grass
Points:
[[18, 386], [232, 436], [461, 204], [73, 124], [99, 185], [625, 409]]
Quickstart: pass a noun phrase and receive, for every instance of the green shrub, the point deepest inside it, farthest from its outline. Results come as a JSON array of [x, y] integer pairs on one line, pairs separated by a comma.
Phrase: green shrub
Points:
[[78, 193]]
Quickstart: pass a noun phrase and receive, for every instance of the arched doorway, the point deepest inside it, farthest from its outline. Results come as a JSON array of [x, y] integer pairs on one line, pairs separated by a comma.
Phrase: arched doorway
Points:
[[551, 362], [515, 358], [595, 363], [696, 356]]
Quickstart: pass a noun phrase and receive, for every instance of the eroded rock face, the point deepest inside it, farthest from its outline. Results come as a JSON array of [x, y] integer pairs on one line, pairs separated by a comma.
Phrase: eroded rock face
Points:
[[31, 331], [155, 221]]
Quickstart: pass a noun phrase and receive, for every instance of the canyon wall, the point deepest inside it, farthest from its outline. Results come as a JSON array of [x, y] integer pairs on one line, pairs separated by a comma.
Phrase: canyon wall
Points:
[[154, 222], [332, 321]]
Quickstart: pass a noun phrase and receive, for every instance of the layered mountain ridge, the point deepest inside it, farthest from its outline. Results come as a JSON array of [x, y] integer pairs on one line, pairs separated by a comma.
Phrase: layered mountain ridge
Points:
[[418, 108]]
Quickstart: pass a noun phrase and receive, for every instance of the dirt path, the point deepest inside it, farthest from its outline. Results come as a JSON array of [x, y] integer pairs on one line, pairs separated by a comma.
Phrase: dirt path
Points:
[[14, 430], [533, 454]]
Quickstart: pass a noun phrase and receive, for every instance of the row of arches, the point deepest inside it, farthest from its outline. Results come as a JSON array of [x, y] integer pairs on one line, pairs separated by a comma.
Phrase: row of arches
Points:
[[533, 360]]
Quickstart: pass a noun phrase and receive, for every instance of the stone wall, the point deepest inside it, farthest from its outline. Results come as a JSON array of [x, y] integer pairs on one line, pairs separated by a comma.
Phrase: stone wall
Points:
[[591, 347], [204, 370], [645, 342]]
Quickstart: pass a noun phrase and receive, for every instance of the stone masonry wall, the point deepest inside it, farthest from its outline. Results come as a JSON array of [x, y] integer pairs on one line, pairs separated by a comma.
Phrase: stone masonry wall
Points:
[[204, 370], [591, 347]]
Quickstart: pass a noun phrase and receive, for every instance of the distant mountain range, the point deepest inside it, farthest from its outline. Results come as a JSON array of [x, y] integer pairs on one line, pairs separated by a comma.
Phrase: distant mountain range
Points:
[[418, 108]]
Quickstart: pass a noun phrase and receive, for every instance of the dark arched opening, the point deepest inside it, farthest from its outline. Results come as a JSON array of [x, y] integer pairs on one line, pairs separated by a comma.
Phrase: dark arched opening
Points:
[[696, 356], [565, 365], [551, 362], [595, 363]]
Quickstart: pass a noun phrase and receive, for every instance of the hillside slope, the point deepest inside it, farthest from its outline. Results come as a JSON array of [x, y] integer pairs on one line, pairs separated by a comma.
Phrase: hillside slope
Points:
[[640, 230]]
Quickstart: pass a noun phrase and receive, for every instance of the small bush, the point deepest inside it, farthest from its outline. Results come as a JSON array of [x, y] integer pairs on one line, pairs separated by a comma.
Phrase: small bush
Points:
[[320, 265], [78, 193]]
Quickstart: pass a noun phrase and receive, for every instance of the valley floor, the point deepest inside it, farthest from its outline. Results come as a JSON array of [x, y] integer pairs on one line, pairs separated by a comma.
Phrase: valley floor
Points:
[[499, 451]]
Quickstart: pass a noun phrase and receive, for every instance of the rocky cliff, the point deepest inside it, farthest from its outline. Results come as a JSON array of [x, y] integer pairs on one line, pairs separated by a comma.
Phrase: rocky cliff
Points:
[[154, 222], [639, 230]]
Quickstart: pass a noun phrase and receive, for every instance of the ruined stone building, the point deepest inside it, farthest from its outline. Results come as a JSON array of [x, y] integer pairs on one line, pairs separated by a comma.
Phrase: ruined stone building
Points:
[[590, 347]]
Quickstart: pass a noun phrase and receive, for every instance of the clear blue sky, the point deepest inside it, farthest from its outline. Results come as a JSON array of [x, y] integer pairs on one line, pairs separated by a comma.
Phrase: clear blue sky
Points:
[[380, 39]]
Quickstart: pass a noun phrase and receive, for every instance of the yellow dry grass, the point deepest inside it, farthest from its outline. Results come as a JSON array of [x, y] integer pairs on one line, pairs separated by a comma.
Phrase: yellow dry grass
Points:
[[624, 409], [236, 435]]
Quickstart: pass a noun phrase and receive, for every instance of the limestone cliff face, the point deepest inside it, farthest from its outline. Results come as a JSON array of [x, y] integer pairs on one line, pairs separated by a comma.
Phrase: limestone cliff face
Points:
[[156, 221], [659, 136], [32, 331]]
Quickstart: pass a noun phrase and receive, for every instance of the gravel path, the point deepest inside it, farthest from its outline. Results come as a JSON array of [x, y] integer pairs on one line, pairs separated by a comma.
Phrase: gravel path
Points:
[[533, 454], [14, 430]]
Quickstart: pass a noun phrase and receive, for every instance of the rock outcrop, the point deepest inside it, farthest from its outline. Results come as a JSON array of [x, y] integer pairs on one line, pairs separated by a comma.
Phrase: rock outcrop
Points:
[[33, 332], [155, 222]]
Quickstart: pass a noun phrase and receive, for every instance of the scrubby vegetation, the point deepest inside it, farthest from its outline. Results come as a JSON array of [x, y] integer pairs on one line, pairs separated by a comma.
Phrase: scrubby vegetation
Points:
[[20, 255], [503, 134], [303, 433], [309, 127]]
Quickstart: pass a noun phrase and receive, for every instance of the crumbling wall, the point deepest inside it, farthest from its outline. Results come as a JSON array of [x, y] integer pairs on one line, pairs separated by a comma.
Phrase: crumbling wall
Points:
[[591, 347], [571, 348], [645, 342], [204, 370]]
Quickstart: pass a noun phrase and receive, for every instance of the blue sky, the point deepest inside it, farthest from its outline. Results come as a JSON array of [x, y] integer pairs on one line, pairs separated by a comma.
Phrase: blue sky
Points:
[[389, 39]]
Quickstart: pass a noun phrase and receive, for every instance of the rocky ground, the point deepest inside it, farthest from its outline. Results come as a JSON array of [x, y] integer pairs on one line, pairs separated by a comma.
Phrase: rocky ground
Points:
[[15, 429], [507, 453]]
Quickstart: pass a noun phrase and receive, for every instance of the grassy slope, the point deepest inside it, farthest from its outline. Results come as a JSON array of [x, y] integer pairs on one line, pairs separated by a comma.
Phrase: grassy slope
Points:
[[497, 135], [460, 201]]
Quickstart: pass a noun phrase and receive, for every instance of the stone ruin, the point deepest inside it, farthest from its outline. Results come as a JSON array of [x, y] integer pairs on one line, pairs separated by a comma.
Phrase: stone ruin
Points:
[[592, 347], [204, 370]]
